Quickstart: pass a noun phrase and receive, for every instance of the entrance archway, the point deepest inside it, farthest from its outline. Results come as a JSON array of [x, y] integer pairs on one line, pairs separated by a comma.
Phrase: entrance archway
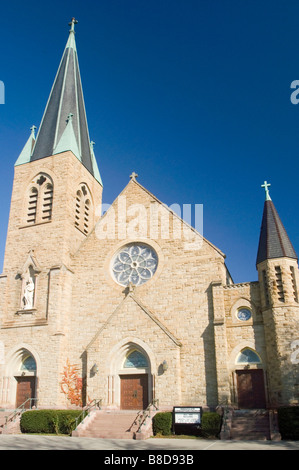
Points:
[[130, 385], [250, 380], [21, 372]]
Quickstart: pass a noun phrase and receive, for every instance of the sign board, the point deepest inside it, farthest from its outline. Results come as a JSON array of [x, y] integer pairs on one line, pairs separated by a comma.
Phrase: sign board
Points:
[[187, 415]]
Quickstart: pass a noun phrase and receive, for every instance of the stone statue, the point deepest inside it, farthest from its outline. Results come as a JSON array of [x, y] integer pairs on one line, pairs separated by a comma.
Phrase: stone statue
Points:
[[28, 292]]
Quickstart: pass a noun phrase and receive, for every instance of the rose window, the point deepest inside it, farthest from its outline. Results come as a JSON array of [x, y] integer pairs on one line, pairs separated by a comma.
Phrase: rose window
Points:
[[136, 264]]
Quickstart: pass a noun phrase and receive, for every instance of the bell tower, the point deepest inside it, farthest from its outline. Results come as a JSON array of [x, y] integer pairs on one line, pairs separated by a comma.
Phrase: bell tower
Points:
[[277, 266], [56, 199]]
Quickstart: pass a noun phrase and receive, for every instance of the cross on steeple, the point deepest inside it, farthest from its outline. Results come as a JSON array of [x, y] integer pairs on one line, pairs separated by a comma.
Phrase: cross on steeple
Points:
[[266, 186], [72, 25], [133, 176]]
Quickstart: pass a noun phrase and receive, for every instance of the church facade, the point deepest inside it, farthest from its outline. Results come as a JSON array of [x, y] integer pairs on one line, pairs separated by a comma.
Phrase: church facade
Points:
[[133, 305]]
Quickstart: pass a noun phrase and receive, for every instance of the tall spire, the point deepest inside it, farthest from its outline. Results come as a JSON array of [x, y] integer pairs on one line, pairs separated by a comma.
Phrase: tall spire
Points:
[[274, 241], [58, 132]]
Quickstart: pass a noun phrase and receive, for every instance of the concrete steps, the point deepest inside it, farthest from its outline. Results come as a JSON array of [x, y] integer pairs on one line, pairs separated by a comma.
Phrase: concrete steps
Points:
[[3, 415], [250, 425], [13, 427], [109, 425]]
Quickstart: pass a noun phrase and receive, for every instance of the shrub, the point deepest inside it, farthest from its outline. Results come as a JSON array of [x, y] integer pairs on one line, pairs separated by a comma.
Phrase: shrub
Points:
[[211, 424], [49, 421], [162, 423], [288, 422]]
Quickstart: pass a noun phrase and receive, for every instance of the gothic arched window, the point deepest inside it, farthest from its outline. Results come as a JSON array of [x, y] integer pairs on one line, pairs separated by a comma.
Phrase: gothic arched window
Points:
[[83, 209], [135, 360], [40, 200], [248, 356]]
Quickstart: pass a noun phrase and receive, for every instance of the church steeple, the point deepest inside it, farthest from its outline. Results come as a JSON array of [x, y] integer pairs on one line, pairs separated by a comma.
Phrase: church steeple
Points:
[[64, 123], [274, 241]]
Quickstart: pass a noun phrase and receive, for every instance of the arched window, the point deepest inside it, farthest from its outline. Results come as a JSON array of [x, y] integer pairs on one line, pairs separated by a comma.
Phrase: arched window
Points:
[[40, 200], [248, 356], [83, 209], [135, 360], [28, 364]]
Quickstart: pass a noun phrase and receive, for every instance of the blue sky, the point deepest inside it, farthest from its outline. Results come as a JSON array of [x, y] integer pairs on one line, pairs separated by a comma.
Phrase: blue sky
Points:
[[193, 95]]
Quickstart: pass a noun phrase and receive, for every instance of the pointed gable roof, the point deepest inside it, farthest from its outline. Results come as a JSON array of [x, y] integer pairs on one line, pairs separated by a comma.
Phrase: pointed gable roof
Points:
[[274, 241], [66, 98]]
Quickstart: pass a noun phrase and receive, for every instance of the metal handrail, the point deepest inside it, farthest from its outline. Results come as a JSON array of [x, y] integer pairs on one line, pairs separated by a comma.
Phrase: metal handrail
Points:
[[224, 405], [147, 413], [20, 410], [96, 403]]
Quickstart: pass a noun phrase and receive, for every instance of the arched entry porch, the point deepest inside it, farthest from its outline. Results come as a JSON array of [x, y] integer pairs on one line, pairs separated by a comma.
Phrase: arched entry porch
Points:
[[131, 382], [248, 378], [21, 377]]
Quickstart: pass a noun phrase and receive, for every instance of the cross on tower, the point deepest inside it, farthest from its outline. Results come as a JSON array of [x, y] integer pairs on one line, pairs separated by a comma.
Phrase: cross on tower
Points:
[[266, 186]]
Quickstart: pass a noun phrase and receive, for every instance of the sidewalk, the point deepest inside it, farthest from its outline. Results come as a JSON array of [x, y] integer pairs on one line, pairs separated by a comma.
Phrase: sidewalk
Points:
[[32, 442]]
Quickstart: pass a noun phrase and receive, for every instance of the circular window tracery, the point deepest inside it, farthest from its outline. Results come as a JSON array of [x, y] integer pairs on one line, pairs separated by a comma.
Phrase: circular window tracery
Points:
[[244, 314], [135, 263]]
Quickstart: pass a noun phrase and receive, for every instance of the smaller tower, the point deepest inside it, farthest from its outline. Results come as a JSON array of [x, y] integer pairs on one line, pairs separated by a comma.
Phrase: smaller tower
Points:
[[279, 281]]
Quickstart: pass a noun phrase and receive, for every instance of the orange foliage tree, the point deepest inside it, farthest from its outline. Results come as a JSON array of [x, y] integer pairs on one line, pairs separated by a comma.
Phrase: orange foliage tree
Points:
[[71, 384]]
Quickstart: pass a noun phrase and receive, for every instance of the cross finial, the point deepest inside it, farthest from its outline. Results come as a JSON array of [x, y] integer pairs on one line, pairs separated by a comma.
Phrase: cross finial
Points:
[[266, 186], [32, 128], [72, 25], [133, 176]]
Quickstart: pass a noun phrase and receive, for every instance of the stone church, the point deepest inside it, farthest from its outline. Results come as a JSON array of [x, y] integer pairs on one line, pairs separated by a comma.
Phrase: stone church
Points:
[[132, 305]]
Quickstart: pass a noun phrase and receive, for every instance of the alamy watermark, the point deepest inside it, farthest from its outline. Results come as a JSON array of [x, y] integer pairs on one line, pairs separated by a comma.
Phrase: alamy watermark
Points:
[[2, 93], [123, 221], [294, 99]]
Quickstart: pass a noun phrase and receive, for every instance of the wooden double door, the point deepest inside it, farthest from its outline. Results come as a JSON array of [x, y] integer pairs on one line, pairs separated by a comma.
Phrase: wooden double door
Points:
[[251, 389], [25, 390], [134, 391]]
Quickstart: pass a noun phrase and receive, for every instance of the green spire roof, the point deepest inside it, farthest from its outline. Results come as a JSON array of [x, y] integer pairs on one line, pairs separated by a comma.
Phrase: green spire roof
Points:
[[26, 153], [65, 100]]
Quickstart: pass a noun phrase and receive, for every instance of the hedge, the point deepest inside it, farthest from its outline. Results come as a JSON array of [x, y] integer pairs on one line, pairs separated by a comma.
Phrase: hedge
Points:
[[162, 423], [288, 422], [49, 421], [210, 425]]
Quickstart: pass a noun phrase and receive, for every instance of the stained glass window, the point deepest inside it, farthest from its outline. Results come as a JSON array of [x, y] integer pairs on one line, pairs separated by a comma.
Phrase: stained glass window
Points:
[[248, 356], [135, 263], [28, 364], [244, 314], [135, 360]]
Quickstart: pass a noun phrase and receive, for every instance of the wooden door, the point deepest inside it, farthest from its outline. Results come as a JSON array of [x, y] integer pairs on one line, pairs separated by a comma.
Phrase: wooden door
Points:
[[251, 389], [134, 392], [25, 390]]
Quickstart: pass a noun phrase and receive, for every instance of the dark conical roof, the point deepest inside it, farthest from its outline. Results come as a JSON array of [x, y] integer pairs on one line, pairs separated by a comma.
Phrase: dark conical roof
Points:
[[274, 241], [65, 107]]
